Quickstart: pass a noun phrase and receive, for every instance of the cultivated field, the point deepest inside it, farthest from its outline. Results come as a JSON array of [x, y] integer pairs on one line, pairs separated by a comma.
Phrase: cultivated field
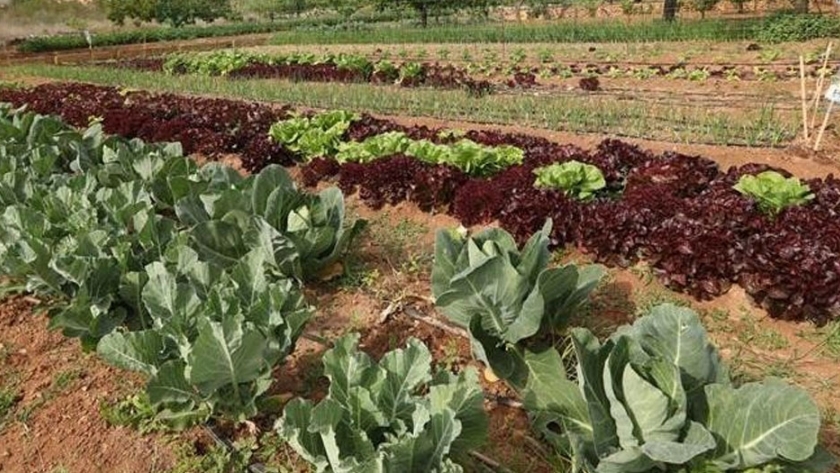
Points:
[[401, 255]]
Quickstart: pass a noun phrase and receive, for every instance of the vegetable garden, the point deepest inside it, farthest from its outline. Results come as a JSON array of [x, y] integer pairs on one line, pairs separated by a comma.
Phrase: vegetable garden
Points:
[[390, 251], [196, 276]]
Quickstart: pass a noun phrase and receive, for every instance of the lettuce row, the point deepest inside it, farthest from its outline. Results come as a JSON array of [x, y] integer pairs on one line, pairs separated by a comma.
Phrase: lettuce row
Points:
[[322, 136]]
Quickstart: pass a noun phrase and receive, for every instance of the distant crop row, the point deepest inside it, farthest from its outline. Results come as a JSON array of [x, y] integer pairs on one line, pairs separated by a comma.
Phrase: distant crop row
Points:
[[359, 68], [771, 29], [329, 68], [681, 214], [158, 34]]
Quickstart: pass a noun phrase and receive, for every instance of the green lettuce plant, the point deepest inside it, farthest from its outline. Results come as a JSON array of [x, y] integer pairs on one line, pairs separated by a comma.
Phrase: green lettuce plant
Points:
[[657, 397], [773, 192], [397, 415], [315, 136], [505, 296], [373, 148], [578, 180], [466, 155]]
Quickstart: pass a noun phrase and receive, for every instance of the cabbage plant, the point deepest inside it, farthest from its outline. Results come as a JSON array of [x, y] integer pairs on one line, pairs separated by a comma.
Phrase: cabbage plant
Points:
[[394, 416], [656, 396], [214, 336], [505, 296], [302, 234]]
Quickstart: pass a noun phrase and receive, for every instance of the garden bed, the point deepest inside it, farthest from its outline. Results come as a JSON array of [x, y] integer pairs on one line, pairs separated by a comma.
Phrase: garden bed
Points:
[[678, 212]]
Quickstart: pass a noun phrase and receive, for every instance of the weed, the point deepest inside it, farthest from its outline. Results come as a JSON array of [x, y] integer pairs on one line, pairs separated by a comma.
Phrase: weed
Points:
[[5, 350], [832, 339], [9, 397], [760, 337], [216, 459], [779, 369], [450, 354], [647, 300], [644, 272], [357, 321], [133, 411]]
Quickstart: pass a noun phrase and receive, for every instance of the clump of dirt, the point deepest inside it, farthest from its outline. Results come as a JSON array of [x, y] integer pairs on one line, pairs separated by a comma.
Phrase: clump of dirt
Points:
[[590, 84]]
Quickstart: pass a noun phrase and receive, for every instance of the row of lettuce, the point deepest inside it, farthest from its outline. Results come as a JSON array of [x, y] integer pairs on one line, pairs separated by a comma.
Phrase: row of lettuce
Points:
[[701, 229], [192, 276], [309, 67], [693, 223], [382, 68]]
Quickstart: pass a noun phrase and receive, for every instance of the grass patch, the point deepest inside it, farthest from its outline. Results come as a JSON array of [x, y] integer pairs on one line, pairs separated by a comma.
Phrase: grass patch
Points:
[[135, 411], [761, 125], [9, 397], [831, 332]]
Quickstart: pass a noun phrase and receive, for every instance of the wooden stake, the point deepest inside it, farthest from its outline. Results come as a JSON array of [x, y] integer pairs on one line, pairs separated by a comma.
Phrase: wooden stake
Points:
[[824, 126], [820, 83], [804, 97]]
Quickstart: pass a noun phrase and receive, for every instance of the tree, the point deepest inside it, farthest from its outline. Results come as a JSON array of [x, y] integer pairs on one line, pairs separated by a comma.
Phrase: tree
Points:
[[272, 8], [345, 8], [138, 11], [800, 6], [669, 10], [425, 8], [739, 4], [175, 12], [703, 6], [183, 12]]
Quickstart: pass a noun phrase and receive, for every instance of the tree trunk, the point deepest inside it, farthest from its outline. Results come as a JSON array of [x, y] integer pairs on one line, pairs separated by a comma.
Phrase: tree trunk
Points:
[[801, 6], [424, 15], [669, 11]]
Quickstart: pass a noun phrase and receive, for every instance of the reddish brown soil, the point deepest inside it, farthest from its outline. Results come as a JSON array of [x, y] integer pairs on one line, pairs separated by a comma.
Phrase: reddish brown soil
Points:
[[61, 389]]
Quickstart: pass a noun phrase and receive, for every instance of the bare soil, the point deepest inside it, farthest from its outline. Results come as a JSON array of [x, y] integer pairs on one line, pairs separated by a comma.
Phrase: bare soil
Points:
[[55, 422]]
